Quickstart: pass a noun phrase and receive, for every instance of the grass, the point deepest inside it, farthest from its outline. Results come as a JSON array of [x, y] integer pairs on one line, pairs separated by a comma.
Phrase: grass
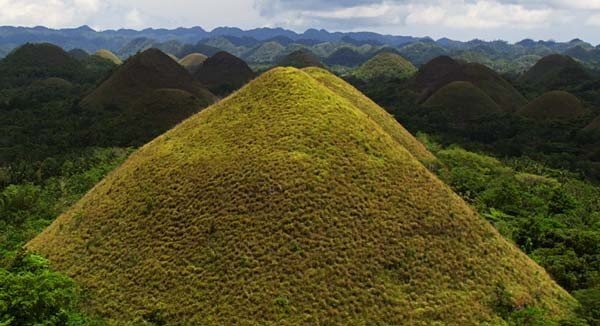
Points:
[[553, 106], [300, 59], [385, 65], [224, 73], [108, 55], [286, 203], [553, 72]]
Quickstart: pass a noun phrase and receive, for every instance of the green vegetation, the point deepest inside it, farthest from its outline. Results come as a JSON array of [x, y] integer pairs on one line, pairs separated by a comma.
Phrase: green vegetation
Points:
[[287, 180], [550, 214], [554, 72], [385, 65]]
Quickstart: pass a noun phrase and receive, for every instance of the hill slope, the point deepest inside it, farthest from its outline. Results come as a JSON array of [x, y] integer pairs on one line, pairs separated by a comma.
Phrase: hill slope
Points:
[[193, 61], [553, 72], [443, 70], [462, 102], [286, 204], [555, 105], [223, 73], [385, 65], [594, 125]]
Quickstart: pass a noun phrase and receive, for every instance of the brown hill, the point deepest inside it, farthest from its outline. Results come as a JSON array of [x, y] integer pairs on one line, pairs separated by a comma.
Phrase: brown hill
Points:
[[286, 204], [142, 73], [555, 71], [224, 73], [443, 70], [463, 103], [300, 59], [192, 62], [555, 105]]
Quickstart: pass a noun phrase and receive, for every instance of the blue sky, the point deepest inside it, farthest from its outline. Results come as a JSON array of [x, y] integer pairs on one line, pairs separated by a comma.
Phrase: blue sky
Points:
[[510, 20]]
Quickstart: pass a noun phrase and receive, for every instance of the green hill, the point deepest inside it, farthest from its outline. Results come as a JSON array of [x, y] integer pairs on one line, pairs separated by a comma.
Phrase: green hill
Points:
[[300, 59], [345, 56], [444, 70], [224, 73], [79, 54], [286, 204], [462, 103], [108, 55], [385, 66], [555, 105], [265, 53], [554, 72], [193, 61], [38, 61]]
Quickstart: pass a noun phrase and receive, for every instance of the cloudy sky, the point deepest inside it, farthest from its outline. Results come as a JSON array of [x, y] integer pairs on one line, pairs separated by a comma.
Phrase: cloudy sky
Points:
[[511, 20]]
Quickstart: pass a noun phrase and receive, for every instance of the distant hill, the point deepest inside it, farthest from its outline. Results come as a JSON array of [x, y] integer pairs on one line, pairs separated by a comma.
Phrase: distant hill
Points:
[[79, 54], [108, 55], [594, 125], [223, 73], [554, 106], [287, 204], [462, 103], [300, 59], [146, 88], [555, 72], [265, 53], [443, 70], [192, 62], [345, 57], [38, 61], [385, 65]]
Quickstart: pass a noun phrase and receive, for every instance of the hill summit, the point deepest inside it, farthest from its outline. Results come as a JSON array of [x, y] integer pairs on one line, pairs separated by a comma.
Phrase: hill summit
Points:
[[108, 55], [224, 73], [285, 203]]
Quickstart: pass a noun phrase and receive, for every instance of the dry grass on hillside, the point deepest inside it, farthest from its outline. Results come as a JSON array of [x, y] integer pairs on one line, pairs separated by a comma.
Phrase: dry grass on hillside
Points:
[[287, 204]]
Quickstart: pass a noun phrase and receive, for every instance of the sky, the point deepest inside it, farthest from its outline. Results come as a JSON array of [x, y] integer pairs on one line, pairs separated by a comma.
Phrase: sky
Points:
[[510, 20]]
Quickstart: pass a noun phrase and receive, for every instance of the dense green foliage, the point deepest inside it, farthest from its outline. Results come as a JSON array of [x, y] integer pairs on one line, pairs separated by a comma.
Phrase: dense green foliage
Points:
[[550, 214]]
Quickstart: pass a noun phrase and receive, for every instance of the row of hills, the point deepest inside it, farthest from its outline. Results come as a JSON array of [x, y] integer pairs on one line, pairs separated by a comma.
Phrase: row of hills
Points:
[[266, 45]]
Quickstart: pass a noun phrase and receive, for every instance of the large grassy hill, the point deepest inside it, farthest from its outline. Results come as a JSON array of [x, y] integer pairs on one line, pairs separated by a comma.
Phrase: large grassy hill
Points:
[[108, 55], [288, 204]]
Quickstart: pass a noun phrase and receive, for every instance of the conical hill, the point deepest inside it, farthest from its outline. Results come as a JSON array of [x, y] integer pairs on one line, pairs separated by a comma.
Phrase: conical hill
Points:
[[462, 102], [554, 106], [224, 73], [141, 74], [594, 125], [443, 70], [555, 71], [384, 66], [287, 204], [300, 59], [193, 61]]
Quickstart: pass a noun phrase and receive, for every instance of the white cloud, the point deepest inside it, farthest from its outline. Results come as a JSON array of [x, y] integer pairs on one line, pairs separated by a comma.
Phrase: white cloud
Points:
[[52, 13], [492, 14], [134, 19], [427, 16], [593, 20]]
